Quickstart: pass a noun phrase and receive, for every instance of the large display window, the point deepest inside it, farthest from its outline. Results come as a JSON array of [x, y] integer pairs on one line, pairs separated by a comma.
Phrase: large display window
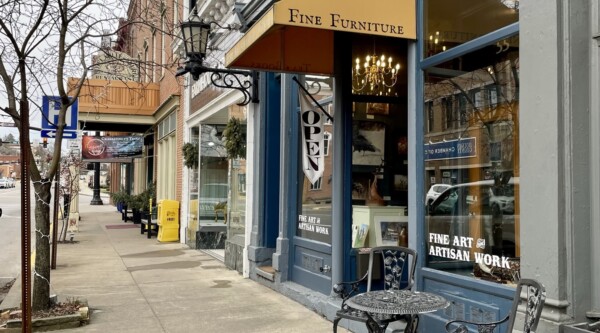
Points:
[[471, 146], [379, 143]]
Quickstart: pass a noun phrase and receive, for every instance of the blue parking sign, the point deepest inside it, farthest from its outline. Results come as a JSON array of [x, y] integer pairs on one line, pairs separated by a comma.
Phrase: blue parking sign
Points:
[[50, 109]]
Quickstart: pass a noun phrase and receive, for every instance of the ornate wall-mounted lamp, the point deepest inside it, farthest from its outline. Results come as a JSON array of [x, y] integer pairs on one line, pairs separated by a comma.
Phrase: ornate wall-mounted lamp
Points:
[[195, 34]]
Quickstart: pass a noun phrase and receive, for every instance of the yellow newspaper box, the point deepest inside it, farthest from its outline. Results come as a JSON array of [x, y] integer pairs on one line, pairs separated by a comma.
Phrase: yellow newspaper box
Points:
[[168, 221]]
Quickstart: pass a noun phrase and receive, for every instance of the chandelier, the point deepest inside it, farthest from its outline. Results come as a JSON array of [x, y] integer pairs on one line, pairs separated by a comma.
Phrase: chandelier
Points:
[[375, 75]]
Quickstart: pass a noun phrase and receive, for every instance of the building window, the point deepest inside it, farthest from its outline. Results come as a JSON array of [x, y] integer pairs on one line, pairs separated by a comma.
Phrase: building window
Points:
[[146, 66], [429, 106], [472, 228], [316, 185], [326, 142]]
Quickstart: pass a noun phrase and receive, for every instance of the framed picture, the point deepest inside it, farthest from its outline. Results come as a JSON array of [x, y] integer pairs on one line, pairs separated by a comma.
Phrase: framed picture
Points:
[[360, 185], [359, 235], [400, 183], [382, 109], [388, 229], [368, 143]]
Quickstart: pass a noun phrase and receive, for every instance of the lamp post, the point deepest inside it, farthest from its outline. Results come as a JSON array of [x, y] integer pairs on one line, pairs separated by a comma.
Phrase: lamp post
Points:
[[195, 34], [96, 200]]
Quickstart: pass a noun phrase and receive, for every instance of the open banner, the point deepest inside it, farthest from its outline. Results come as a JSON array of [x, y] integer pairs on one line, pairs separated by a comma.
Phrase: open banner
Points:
[[313, 135]]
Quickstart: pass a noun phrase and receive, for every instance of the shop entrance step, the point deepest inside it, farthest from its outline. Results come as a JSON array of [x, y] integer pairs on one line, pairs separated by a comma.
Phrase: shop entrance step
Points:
[[268, 272]]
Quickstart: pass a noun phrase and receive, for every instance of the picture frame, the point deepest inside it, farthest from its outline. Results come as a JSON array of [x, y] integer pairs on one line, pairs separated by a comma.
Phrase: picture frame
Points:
[[368, 143], [387, 229], [382, 109], [400, 183], [359, 235]]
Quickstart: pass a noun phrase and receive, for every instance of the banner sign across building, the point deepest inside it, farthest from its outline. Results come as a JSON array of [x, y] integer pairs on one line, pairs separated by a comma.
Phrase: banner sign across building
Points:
[[313, 135], [461, 148], [111, 148]]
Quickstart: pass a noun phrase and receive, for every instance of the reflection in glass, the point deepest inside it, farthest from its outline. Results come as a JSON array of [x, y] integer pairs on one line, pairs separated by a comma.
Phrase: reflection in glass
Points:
[[193, 196], [213, 174], [453, 22], [472, 145]]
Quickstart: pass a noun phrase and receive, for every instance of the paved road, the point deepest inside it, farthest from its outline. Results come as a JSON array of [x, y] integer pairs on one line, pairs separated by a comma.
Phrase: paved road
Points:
[[10, 231]]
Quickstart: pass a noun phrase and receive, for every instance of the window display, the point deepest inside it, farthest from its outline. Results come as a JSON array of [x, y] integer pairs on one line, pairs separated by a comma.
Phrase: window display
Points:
[[472, 147]]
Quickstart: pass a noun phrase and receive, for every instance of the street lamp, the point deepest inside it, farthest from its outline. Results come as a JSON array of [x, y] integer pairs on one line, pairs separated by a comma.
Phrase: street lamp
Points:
[[195, 34]]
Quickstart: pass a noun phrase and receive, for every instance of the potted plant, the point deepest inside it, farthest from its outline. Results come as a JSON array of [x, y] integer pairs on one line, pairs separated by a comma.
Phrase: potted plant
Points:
[[118, 198], [136, 203]]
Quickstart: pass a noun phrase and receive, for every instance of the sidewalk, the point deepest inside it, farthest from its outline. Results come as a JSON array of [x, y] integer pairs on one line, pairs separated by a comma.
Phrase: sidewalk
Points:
[[135, 284]]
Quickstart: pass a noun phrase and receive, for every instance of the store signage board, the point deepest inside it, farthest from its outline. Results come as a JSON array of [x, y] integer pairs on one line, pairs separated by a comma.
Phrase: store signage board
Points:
[[392, 18], [51, 106], [101, 148], [2, 124], [296, 36], [451, 149]]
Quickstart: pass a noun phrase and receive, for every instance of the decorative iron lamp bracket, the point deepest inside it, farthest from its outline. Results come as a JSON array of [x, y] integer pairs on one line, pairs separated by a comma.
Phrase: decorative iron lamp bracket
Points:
[[195, 34], [225, 78]]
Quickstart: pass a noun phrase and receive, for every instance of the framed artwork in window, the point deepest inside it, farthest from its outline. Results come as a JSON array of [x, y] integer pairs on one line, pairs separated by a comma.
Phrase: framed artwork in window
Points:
[[390, 229]]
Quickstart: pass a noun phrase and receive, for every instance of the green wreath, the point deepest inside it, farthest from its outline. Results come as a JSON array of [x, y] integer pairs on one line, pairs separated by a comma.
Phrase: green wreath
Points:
[[235, 139], [190, 155]]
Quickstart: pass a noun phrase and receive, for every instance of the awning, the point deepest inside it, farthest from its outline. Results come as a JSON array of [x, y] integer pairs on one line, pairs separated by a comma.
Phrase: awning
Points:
[[297, 35]]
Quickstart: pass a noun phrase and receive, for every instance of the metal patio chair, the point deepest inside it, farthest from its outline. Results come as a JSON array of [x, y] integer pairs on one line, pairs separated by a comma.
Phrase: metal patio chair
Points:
[[535, 298], [394, 260]]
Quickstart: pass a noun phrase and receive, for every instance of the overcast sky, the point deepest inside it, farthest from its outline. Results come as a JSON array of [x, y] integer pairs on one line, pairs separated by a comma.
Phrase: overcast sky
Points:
[[113, 10]]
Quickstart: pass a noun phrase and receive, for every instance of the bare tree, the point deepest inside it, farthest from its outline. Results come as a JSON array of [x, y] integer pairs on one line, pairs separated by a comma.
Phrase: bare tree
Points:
[[42, 44]]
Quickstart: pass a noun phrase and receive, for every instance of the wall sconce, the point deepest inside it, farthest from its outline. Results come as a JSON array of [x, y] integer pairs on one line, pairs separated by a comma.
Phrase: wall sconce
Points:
[[195, 34]]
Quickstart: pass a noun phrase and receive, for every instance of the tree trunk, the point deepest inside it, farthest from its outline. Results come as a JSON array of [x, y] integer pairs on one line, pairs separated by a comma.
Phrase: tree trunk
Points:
[[41, 275]]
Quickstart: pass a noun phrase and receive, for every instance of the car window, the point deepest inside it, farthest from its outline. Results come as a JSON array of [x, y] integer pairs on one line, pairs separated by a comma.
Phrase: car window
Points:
[[445, 203], [439, 188]]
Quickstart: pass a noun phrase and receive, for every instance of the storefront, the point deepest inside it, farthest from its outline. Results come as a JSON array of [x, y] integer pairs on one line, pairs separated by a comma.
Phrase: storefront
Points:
[[214, 211], [509, 143], [333, 174]]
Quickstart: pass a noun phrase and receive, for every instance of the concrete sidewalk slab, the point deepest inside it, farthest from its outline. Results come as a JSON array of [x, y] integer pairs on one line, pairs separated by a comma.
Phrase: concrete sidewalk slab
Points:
[[135, 284]]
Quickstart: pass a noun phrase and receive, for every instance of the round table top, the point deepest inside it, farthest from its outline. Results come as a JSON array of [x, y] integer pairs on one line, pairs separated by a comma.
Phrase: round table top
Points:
[[397, 302]]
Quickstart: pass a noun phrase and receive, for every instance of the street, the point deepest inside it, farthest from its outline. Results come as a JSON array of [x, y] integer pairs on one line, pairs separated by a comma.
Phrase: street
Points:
[[10, 231]]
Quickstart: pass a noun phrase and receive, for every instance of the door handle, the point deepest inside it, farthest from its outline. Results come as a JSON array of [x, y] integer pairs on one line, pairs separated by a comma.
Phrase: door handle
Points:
[[325, 269]]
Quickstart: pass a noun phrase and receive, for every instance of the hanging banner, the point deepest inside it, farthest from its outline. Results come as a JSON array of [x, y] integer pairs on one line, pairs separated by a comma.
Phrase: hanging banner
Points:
[[313, 161], [111, 148]]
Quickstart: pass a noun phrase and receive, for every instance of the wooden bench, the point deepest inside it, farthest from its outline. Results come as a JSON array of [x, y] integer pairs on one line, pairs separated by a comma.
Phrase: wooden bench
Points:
[[149, 225]]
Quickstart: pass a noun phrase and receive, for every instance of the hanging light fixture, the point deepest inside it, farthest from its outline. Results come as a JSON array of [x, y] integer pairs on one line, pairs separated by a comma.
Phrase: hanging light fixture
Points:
[[195, 34], [375, 75]]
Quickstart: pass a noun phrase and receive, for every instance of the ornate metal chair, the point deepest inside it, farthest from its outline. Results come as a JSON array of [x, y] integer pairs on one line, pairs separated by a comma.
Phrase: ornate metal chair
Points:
[[394, 260], [535, 298]]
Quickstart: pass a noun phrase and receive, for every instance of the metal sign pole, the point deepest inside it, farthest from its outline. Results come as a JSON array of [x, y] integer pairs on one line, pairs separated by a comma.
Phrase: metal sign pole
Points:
[[25, 220], [55, 222]]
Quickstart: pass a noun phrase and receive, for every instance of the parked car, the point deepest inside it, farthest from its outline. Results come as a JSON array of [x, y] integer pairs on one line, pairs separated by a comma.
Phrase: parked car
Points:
[[4, 183], [11, 182], [482, 211], [434, 191]]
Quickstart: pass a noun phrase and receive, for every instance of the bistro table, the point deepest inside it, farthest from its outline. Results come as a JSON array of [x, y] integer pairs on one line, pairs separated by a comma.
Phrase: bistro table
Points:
[[396, 302]]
